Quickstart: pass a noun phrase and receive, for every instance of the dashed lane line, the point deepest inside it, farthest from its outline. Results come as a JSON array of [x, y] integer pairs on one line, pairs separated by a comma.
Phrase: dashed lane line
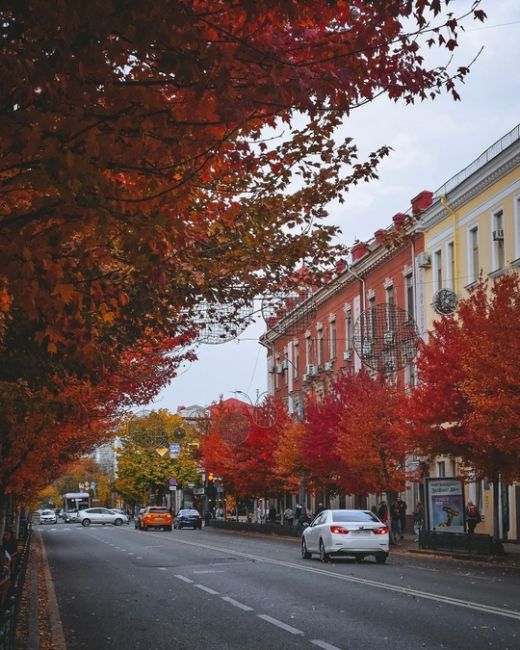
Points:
[[207, 589], [280, 624], [184, 579], [324, 644], [236, 603]]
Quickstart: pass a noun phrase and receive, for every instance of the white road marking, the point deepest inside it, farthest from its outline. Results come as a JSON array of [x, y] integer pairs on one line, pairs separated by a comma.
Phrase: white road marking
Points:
[[280, 624], [210, 571], [184, 579], [324, 644], [207, 589], [139, 557], [162, 568], [234, 602], [422, 568], [407, 591]]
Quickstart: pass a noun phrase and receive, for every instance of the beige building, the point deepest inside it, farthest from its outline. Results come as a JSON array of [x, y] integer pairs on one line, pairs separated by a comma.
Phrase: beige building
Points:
[[473, 227]]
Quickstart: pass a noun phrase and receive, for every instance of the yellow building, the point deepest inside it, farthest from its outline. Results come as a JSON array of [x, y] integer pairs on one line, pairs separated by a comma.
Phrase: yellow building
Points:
[[472, 227]]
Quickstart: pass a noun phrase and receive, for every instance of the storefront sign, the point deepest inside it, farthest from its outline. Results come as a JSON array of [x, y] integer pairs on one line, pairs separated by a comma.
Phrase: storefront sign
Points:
[[445, 504]]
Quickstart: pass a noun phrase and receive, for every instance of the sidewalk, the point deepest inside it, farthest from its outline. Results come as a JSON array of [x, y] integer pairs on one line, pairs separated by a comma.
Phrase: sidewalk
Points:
[[511, 559]]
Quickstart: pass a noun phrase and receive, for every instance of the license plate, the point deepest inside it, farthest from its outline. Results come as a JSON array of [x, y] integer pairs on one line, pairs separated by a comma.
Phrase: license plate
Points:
[[361, 532]]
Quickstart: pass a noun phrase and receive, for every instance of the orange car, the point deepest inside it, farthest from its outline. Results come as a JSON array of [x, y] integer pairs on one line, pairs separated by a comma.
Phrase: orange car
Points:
[[154, 517]]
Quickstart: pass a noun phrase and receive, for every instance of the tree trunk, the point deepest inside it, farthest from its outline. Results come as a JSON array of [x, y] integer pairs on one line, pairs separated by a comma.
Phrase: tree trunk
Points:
[[496, 513]]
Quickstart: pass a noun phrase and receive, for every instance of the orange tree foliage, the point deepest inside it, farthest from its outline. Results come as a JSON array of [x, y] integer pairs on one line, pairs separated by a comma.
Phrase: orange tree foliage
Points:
[[468, 400], [136, 181]]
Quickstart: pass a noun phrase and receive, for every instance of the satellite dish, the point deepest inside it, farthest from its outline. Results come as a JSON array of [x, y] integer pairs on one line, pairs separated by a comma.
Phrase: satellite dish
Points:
[[445, 302]]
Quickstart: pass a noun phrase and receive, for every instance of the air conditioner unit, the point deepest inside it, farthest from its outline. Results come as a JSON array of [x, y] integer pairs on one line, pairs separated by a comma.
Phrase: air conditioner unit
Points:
[[347, 355], [305, 377], [279, 368], [311, 370], [498, 235], [328, 365], [388, 338], [285, 364], [424, 260], [367, 348]]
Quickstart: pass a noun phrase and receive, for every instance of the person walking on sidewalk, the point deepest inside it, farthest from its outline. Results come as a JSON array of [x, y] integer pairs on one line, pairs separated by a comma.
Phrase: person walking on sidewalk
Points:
[[395, 521], [472, 517], [418, 519], [402, 516]]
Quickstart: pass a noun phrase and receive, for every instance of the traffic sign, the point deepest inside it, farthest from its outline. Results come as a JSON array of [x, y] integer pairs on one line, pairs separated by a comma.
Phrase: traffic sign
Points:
[[172, 481], [172, 488], [175, 450]]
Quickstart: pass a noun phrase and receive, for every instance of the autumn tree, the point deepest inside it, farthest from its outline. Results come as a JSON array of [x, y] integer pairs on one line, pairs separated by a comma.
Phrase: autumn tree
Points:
[[137, 182], [467, 402], [143, 456]]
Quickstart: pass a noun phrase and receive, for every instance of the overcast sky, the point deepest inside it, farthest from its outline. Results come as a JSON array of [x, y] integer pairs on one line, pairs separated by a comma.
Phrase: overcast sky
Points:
[[431, 142]]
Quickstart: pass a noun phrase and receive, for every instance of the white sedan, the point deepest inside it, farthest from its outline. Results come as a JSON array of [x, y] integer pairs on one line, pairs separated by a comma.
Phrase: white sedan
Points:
[[354, 533], [101, 516]]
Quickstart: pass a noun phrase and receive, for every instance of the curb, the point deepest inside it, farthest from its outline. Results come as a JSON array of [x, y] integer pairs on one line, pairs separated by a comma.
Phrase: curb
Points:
[[56, 627]]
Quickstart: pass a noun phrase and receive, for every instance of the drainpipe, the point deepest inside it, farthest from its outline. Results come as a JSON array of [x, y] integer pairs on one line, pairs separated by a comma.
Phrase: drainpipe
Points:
[[363, 285]]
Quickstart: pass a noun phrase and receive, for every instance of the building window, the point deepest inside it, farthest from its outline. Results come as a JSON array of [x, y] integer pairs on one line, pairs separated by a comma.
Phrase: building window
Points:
[[498, 239], [474, 256], [332, 340], [372, 320], [390, 308], [441, 469], [450, 268], [437, 270], [410, 295], [320, 347], [517, 226], [308, 350], [349, 333], [296, 362]]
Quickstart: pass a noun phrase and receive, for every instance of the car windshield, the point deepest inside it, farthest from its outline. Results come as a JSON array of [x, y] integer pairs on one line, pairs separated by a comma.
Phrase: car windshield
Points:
[[157, 509], [189, 512], [47, 512], [354, 516]]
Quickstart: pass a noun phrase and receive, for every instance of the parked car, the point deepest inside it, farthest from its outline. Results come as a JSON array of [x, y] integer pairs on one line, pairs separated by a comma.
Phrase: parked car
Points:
[[48, 517], [69, 517], [101, 516], [188, 518], [354, 533], [154, 517]]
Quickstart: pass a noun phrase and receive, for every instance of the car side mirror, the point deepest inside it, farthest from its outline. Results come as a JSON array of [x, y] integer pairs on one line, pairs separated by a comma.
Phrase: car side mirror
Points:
[[305, 525]]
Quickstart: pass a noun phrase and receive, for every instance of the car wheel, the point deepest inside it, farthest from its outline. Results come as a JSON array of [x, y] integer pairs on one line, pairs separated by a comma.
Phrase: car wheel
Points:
[[143, 527], [381, 558], [305, 553], [324, 557], [199, 526], [168, 528], [118, 522], [85, 522]]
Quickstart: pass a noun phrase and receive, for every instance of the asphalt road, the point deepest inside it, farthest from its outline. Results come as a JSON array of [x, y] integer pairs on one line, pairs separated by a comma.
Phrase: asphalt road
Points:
[[119, 588]]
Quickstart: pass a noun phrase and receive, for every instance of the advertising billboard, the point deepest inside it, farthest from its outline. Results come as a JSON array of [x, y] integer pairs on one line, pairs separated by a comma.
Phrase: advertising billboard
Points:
[[445, 504]]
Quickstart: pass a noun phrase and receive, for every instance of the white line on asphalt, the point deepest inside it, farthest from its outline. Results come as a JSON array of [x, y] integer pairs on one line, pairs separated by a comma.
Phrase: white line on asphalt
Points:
[[407, 591], [422, 568], [280, 624], [162, 568], [139, 557], [234, 602], [324, 645], [210, 571], [207, 589], [184, 579]]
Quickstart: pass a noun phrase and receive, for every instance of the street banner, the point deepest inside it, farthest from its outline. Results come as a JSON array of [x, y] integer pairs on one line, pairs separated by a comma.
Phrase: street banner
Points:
[[445, 505]]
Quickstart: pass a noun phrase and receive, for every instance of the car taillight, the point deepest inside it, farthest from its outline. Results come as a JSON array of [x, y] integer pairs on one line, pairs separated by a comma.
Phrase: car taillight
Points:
[[381, 531], [338, 530]]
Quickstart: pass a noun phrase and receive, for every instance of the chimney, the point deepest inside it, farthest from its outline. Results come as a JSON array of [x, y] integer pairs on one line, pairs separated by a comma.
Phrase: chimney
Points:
[[422, 201], [341, 265], [380, 236], [358, 250], [399, 219]]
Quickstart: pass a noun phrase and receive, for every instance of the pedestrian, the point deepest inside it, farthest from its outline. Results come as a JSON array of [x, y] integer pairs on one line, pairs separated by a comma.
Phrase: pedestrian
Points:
[[297, 512], [9, 542], [382, 512], [472, 517], [373, 510], [272, 514], [402, 516], [395, 521], [418, 519], [288, 516]]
